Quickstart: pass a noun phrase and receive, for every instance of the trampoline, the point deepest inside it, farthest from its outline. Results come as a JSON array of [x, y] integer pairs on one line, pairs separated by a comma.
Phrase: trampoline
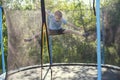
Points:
[[25, 60], [63, 71]]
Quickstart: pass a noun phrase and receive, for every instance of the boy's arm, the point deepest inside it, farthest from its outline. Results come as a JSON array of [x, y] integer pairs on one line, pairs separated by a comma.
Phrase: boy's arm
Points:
[[47, 12]]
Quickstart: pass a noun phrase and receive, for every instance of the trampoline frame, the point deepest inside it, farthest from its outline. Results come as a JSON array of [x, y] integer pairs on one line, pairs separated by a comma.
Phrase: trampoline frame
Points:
[[64, 64]]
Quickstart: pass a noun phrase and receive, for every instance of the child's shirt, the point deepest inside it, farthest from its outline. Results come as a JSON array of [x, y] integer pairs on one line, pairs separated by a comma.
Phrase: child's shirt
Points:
[[53, 24]]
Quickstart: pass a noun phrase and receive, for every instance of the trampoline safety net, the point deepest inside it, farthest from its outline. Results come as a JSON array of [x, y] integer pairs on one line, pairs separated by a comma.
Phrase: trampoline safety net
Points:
[[22, 25], [25, 21]]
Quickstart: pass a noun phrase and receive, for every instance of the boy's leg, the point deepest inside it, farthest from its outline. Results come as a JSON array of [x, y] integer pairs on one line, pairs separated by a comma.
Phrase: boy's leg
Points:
[[56, 32], [68, 31], [65, 31]]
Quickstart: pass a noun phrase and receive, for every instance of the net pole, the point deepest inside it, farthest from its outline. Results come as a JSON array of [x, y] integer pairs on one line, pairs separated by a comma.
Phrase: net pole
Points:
[[44, 28], [50, 45], [2, 45], [98, 39]]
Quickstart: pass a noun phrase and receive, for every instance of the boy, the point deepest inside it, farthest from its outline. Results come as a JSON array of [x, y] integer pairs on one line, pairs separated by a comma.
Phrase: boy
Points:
[[55, 25]]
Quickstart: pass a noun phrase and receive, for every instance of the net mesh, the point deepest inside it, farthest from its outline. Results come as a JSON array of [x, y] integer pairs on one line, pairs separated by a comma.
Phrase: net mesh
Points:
[[22, 25], [25, 22]]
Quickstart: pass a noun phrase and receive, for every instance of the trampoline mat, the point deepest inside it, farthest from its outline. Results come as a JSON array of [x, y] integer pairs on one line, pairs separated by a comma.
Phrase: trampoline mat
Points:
[[65, 72]]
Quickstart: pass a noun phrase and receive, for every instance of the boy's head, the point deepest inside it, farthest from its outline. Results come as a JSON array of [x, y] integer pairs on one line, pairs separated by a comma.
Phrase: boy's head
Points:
[[58, 15]]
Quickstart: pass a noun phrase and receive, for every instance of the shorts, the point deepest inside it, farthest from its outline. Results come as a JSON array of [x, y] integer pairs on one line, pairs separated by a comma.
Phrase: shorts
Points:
[[56, 32]]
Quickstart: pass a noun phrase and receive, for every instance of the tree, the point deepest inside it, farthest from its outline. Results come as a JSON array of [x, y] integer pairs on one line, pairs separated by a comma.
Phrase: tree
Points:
[[112, 29]]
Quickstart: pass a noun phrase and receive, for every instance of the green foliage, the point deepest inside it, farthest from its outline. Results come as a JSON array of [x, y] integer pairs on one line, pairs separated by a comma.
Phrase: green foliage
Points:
[[0, 3], [22, 4], [112, 27]]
